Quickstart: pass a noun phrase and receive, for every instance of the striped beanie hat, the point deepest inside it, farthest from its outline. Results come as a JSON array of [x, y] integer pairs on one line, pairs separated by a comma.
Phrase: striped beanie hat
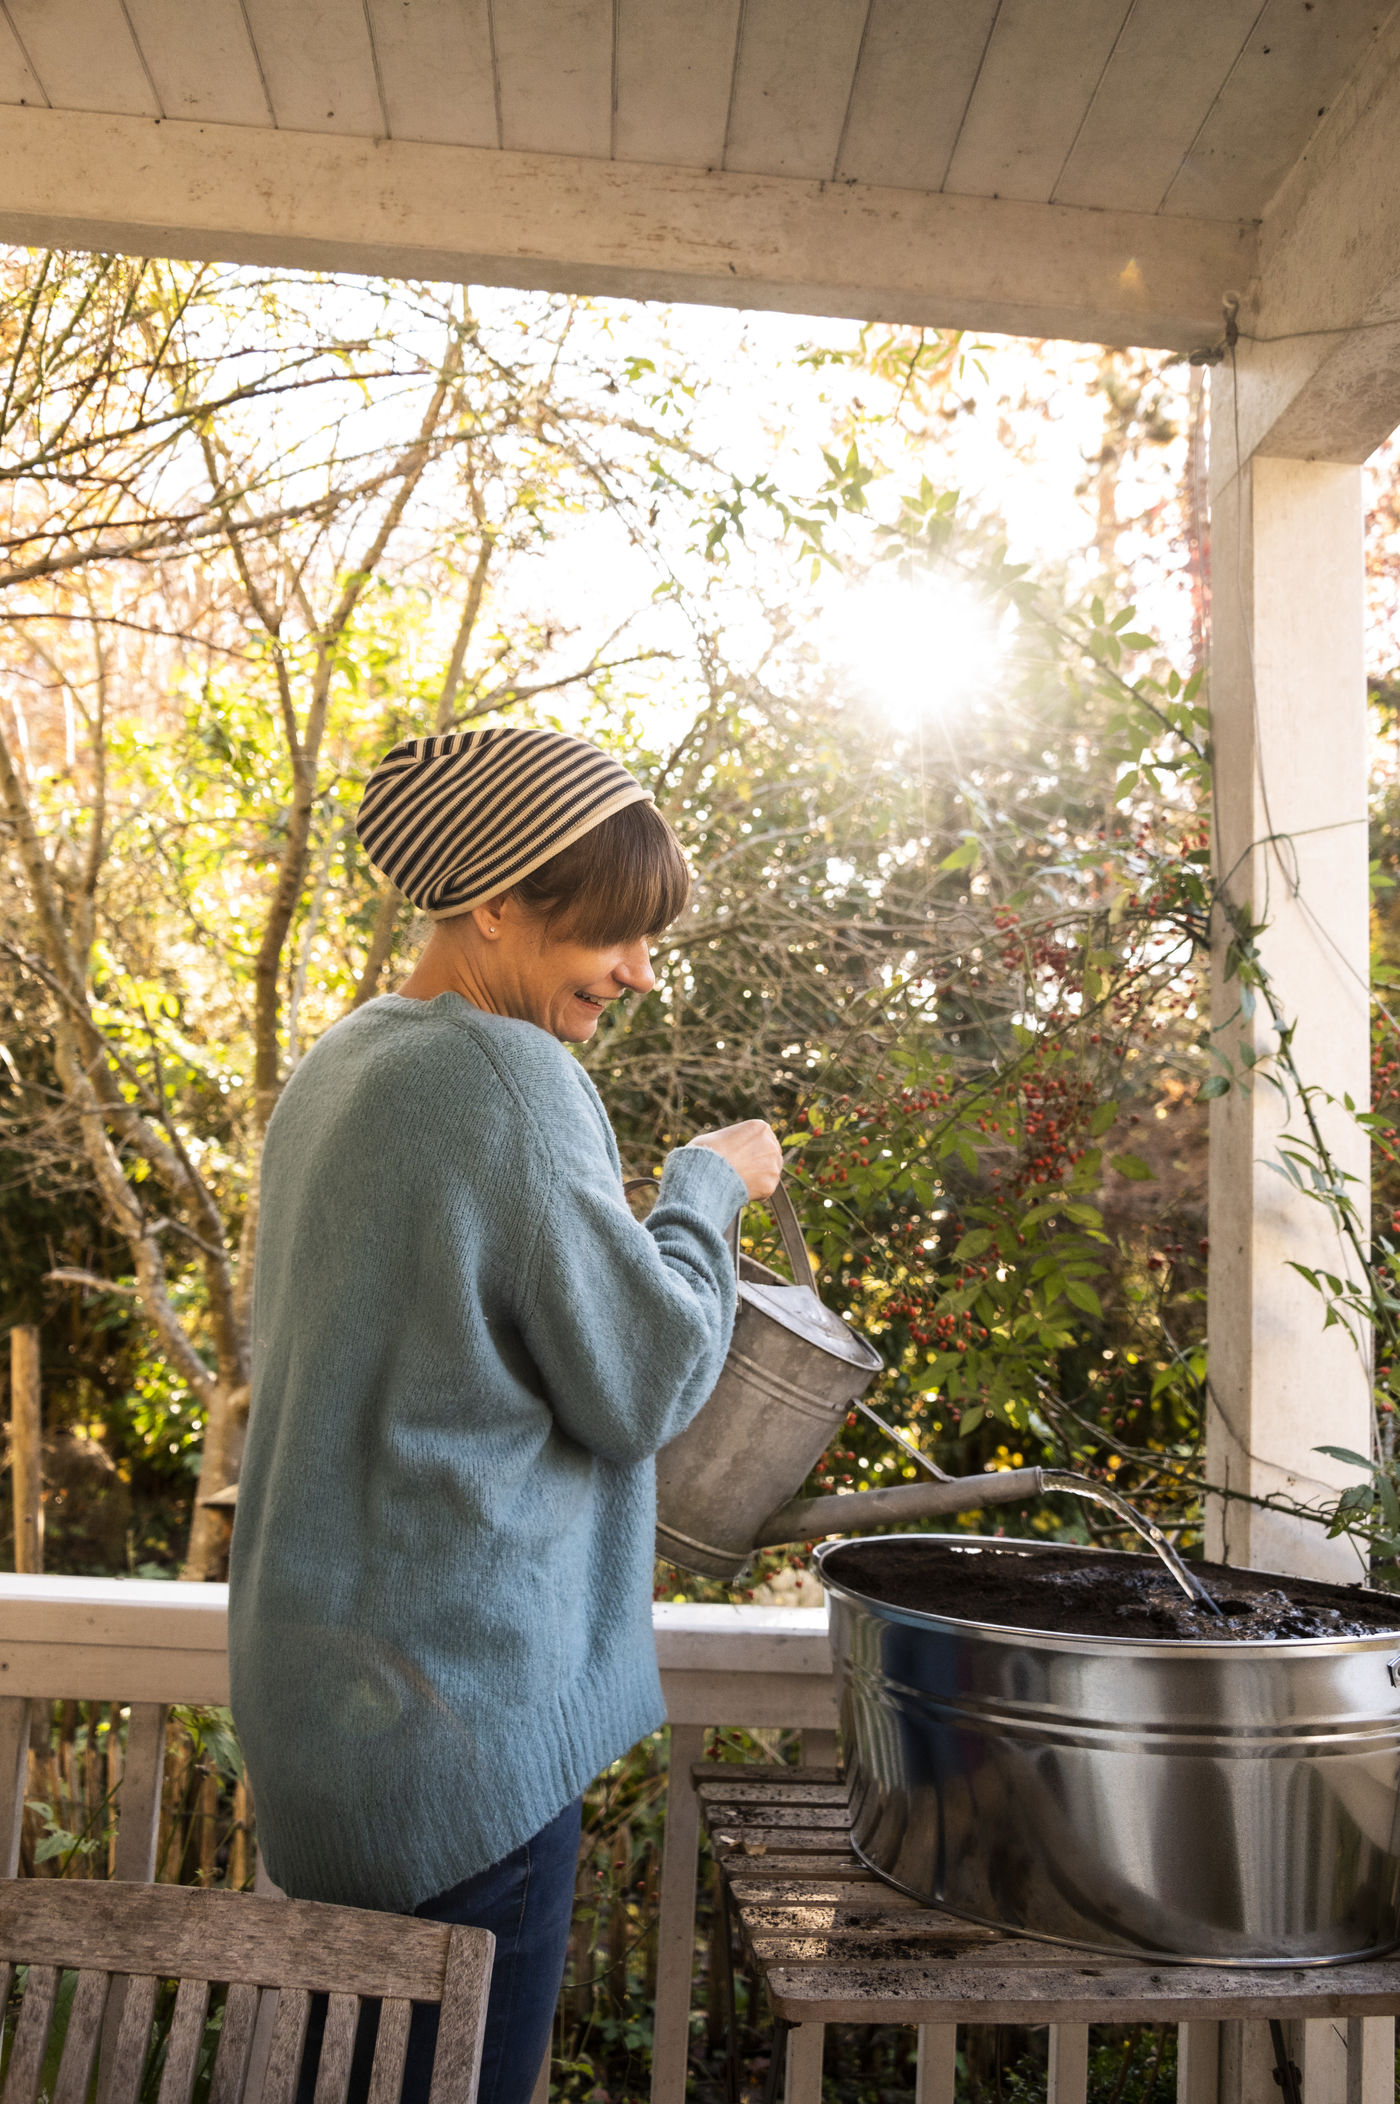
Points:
[[456, 819]]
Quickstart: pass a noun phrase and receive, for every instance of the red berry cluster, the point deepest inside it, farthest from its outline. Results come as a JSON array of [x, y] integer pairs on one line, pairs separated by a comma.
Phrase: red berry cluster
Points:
[[858, 1123], [1385, 1097], [1161, 1259], [916, 1303], [1028, 949], [1055, 1106]]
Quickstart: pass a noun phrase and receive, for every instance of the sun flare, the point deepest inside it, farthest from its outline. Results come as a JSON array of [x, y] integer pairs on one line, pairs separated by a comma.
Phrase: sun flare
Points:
[[917, 649]]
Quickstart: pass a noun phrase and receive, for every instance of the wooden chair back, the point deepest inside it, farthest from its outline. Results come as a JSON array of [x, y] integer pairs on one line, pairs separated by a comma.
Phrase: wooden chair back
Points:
[[272, 1954]]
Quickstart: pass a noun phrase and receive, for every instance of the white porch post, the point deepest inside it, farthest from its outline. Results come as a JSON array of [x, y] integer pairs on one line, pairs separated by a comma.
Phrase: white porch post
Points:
[[1289, 728], [1310, 390]]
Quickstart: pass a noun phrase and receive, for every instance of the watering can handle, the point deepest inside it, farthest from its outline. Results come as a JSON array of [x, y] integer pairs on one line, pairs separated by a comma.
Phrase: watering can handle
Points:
[[790, 1228], [784, 1213]]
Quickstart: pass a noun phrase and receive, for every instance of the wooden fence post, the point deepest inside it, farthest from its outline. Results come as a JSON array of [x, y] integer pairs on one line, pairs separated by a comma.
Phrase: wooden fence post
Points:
[[26, 1448]]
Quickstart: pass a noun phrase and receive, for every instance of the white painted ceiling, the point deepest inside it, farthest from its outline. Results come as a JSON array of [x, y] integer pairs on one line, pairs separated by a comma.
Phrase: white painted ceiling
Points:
[[1189, 108]]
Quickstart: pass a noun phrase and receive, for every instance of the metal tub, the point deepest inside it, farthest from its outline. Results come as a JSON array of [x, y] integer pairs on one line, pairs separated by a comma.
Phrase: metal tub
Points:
[[1231, 1803]]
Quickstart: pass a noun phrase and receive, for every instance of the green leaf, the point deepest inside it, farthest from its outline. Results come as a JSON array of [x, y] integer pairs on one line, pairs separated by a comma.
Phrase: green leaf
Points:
[[1214, 1085], [974, 1244], [1103, 1117], [963, 857], [1081, 1296], [1346, 1454], [1133, 1167], [1389, 1503], [55, 1843]]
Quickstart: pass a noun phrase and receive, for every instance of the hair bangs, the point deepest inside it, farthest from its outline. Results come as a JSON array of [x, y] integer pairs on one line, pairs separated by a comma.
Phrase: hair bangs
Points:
[[625, 879]]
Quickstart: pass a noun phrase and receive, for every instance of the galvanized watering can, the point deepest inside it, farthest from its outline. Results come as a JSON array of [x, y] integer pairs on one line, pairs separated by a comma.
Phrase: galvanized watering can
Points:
[[793, 1373]]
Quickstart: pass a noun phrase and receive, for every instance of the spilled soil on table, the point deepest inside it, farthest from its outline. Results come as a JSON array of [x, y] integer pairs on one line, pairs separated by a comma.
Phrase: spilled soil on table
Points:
[[1086, 1592]]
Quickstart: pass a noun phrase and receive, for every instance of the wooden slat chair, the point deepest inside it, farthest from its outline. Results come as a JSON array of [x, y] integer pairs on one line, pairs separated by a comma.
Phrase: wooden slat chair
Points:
[[274, 1954]]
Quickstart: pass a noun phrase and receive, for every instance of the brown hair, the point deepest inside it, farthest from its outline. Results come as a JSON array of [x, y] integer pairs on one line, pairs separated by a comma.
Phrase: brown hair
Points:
[[626, 878]]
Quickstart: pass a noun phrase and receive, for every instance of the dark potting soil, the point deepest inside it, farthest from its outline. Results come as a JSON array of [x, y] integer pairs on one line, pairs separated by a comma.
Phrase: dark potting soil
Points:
[[1084, 1592]]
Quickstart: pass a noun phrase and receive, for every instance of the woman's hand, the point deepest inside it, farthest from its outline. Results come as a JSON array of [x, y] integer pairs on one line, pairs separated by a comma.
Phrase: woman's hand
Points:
[[751, 1148]]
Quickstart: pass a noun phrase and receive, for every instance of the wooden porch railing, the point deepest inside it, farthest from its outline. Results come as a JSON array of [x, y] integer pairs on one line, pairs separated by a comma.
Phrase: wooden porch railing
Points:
[[147, 1645]]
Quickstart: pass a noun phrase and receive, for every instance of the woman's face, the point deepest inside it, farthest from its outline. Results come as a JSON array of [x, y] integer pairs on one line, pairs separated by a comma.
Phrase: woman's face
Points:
[[561, 985]]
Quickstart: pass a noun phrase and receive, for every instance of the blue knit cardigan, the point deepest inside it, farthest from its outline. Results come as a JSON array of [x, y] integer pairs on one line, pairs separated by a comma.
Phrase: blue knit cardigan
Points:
[[466, 1352]]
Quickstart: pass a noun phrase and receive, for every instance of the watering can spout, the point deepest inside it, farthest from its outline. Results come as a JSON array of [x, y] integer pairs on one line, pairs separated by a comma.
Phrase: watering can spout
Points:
[[805, 1519]]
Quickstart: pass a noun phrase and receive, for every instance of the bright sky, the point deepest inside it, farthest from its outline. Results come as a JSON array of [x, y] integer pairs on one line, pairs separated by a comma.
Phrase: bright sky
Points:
[[1021, 448], [1022, 445]]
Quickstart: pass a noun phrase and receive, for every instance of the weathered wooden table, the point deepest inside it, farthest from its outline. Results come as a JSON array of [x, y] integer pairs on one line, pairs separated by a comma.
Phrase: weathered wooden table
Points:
[[833, 1944]]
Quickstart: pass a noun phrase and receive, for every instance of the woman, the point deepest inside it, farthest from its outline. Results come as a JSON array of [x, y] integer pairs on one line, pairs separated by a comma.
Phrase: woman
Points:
[[466, 1353]]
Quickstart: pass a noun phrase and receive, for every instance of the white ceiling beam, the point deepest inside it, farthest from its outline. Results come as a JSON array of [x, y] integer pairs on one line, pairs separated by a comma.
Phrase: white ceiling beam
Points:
[[1319, 357], [555, 223]]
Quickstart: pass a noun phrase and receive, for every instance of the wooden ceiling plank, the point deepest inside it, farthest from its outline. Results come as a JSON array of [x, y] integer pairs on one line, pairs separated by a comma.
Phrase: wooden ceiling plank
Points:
[[200, 59], [318, 64], [18, 80], [1042, 67], [1294, 64], [554, 58], [675, 65], [83, 53], [435, 67], [1150, 106], [918, 66], [471, 215], [797, 61]]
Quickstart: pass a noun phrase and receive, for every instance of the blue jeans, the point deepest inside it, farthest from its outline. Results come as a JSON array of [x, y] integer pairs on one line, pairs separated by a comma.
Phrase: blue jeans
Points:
[[526, 1900]]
